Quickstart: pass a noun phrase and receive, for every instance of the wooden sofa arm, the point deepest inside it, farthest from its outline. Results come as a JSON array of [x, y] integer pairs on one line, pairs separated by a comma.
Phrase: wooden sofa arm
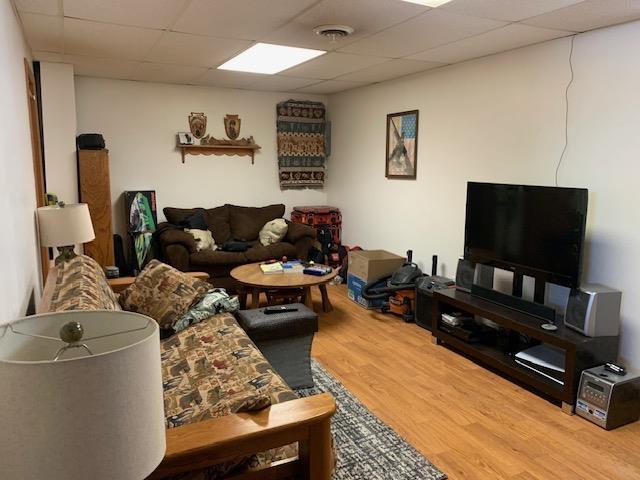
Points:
[[209, 442]]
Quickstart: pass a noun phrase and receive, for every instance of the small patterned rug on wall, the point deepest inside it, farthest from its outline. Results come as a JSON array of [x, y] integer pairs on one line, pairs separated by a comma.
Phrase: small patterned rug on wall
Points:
[[367, 448], [301, 144]]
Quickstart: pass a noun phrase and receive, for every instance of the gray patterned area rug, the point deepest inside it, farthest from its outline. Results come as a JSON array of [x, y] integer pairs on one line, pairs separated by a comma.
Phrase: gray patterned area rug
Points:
[[367, 448]]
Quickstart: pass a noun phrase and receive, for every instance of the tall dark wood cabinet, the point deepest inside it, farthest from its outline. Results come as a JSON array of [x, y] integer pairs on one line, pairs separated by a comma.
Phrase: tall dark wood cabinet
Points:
[[95, 190]]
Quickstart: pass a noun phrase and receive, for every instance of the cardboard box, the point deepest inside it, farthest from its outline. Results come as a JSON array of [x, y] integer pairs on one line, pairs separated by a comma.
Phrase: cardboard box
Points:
[[354, 292], [370, 265]]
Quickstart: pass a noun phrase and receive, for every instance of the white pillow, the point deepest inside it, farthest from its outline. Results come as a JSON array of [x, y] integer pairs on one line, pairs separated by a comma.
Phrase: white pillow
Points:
[[204, 239], [273, 231]]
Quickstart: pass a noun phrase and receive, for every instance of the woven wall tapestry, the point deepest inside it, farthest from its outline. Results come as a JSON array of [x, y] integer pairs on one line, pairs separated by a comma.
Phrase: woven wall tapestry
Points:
[[301, 144]]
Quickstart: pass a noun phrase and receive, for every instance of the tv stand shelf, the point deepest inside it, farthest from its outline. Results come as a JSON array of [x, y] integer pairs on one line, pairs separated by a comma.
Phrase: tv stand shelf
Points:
[[580, 352]]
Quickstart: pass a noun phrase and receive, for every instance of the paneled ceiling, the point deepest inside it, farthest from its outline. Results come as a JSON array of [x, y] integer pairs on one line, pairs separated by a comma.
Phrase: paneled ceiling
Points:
[[183, 41]]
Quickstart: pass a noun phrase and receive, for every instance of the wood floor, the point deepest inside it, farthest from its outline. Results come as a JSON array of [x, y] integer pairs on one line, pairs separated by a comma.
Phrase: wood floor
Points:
[[470, 422]]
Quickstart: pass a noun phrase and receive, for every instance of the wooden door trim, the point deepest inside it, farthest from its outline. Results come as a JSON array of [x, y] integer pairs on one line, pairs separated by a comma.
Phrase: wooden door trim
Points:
[[36, 148]]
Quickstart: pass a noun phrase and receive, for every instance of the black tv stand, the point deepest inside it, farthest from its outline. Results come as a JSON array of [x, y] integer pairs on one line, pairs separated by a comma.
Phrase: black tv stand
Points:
[[580, 352], [516, 303]]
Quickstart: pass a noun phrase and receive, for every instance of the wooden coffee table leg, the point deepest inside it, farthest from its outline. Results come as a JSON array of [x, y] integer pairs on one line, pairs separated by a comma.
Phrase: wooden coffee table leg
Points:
[[326, 303], [255, 298], [307, 297], [242, 298]]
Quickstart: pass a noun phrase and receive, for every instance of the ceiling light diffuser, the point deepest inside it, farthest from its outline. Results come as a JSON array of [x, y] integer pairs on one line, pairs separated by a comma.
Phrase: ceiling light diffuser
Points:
[[269, 59], [429, 3]]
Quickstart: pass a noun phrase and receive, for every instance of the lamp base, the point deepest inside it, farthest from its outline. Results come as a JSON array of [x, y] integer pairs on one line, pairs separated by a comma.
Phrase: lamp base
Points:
[[66, 253]]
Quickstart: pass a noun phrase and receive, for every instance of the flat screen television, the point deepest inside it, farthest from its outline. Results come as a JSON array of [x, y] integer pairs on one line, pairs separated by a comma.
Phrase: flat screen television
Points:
[[534, 231]]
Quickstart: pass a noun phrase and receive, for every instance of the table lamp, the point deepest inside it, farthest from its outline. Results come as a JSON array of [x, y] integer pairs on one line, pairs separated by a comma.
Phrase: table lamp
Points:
[[81, 397], [63, 226]]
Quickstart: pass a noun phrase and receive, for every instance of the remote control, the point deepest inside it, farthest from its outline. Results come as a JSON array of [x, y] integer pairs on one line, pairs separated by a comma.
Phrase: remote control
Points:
[[278, 309]]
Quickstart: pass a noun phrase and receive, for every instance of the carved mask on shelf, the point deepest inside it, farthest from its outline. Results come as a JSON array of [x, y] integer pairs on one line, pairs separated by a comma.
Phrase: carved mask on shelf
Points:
[[198, 124], [232, 126]]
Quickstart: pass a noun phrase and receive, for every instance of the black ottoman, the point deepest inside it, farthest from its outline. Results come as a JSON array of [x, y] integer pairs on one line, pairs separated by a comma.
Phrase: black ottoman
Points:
[[285, 340]]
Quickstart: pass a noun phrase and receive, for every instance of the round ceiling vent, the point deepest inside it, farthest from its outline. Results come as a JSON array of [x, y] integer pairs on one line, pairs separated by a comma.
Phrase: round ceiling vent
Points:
[[333, 32]]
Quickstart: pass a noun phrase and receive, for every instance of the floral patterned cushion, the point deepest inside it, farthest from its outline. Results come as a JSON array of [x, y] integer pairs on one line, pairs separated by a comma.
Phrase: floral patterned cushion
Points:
[[162, 293], [80, 284], [212, 369]]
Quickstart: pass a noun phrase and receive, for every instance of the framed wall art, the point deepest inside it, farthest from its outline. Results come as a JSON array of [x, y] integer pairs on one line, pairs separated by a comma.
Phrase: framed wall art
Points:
[[402, 145]]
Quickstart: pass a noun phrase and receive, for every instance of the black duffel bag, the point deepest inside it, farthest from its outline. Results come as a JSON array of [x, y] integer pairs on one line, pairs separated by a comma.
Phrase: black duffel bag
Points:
[[90, 141]]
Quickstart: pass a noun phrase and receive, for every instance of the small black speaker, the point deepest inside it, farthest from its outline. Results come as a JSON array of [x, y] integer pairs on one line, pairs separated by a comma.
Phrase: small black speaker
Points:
[[469, 273], [465, 274]]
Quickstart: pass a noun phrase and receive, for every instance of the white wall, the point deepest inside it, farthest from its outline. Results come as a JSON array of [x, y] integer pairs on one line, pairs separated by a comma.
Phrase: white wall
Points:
[[139, 121], [19, 274], [59, 129], [501, 119]]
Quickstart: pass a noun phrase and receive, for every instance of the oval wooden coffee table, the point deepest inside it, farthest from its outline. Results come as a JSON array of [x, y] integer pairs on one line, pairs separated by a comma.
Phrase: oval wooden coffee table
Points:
[[251, 278]]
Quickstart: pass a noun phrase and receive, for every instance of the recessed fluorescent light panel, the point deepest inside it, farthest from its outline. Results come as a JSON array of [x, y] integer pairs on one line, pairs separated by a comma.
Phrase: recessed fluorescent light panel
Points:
[[269, 59], [429, 3]]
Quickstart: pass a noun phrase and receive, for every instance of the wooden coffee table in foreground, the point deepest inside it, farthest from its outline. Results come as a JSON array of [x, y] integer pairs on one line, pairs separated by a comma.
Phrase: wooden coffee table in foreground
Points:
[[251, 278]]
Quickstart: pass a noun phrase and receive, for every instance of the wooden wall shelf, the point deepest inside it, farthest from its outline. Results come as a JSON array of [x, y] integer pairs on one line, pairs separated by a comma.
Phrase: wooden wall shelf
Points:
[[230, 150]]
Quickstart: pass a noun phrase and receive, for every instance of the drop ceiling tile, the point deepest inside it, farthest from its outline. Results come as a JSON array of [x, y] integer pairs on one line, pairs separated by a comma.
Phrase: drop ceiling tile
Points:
[[331, 86], [279, 83], [106, 40], [163, 73], [198, 50], [140, 13], [331, 65], [91, 66], [388, 70], [45, 7], [433, 28], [229, 79], [588, 15], [43, 32], [365, 16], [510, 10], [243, 19], [499, 40]]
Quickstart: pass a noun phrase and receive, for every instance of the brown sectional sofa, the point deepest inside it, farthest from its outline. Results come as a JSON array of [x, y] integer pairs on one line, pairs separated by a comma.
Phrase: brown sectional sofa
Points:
[[229, 222]]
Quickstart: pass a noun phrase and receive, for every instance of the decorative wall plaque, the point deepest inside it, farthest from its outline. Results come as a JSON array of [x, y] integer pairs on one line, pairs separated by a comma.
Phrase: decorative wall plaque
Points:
[[232, 126], [198, 124]]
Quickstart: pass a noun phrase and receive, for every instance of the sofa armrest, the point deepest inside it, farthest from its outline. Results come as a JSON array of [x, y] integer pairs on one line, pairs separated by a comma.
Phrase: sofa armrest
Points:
[[209, 442], [170, 235], [298, 231]]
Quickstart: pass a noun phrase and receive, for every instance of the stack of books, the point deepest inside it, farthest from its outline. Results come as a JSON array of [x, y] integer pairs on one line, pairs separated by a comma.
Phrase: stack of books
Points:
[[271, 268], [293, 266]]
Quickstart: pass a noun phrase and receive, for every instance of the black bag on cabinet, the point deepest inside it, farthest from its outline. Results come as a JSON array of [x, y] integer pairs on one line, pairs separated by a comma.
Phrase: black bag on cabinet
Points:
[[90, 141]]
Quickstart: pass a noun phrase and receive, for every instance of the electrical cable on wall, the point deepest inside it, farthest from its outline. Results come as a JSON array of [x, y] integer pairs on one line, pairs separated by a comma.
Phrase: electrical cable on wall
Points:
[[566, 113]]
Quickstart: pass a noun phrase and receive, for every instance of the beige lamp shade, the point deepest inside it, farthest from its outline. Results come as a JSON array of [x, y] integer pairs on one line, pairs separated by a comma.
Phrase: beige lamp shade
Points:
[[67, 225], [96, 413]]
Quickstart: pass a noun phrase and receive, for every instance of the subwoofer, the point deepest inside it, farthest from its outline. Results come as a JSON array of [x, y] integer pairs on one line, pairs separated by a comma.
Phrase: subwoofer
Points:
[[594, 310]]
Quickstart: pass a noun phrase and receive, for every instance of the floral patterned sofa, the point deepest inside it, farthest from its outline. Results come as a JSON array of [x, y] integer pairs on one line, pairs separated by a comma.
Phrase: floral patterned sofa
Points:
[[211, 371]]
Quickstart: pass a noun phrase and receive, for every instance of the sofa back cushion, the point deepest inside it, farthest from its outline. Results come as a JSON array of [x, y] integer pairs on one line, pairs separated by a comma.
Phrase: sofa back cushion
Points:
[[177, 215], [246, 222], [162, 293], [216, 219], [80, 284]]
